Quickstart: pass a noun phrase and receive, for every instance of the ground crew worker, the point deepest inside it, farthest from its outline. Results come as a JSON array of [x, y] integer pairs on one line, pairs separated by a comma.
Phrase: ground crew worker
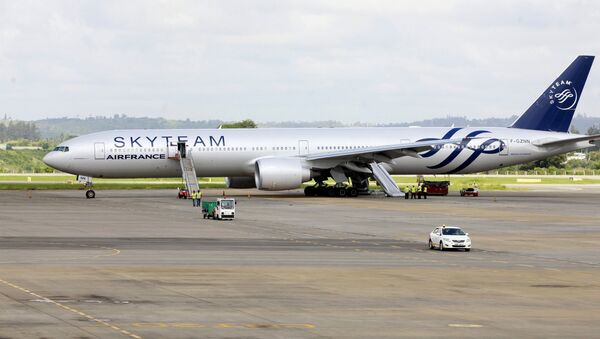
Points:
[[424, 192], [406, 192], [199, 197], [419, 191], [194, 198], [412, 192]]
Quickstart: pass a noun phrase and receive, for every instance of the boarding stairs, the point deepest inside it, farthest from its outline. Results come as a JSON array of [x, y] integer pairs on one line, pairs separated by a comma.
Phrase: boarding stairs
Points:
[[188, 172], [385, 180]]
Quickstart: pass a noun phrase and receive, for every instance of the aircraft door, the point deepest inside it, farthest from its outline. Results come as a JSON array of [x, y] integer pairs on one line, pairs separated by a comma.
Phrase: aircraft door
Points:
[[504, 150], [181, 149], [302, 147], [172, 152], [99, 153]]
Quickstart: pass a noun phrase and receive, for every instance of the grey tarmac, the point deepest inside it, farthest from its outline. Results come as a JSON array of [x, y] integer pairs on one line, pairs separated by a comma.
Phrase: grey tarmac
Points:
[[143, 264]]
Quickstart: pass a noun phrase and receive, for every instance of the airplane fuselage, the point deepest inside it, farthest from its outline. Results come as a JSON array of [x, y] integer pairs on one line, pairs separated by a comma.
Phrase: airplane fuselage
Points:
[[234, 152]]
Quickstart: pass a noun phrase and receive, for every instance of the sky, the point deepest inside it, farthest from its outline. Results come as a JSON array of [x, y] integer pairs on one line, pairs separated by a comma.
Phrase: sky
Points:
[[368, 61]]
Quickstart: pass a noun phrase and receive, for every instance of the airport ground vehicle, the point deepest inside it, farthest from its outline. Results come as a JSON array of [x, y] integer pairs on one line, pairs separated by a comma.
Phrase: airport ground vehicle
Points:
[[220, 208], [447, 237], [437, 187], [183, 193], [470, 191]]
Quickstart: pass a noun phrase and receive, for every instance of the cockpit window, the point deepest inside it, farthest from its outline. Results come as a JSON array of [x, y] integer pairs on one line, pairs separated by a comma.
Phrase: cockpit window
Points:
[[61, 149]]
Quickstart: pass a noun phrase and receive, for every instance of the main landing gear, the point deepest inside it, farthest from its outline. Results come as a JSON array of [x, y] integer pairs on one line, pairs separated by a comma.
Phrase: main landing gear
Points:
[[323, 190]]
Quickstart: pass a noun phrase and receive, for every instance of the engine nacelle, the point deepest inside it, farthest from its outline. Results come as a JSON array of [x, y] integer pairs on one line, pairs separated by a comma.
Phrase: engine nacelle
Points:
[[275, 174], [240, 182]]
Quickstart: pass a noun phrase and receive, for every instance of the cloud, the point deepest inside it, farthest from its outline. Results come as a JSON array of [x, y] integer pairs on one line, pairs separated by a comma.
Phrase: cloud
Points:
[[379, 61]]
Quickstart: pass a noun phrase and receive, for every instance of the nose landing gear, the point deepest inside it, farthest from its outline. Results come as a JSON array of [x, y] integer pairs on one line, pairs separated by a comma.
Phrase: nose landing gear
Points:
[[88, 185], [90, 194]]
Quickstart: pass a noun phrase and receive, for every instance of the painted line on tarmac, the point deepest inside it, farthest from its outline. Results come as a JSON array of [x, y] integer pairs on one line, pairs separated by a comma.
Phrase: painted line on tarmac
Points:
[[465, 325], [177, 325], [71, 309], [113, 252]]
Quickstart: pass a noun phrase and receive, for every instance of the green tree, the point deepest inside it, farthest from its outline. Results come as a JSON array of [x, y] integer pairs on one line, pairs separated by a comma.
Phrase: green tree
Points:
[[573, 130], [594, 130], [248, 123], [556, 161]]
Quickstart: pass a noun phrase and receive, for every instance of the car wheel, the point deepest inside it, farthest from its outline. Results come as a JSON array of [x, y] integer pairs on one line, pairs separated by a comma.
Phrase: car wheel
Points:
[[430, 244], [441, 248], [467, 250]]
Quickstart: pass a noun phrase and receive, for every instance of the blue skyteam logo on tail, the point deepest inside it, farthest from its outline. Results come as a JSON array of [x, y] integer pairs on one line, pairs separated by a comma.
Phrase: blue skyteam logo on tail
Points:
[[485, 147], [563, 95]]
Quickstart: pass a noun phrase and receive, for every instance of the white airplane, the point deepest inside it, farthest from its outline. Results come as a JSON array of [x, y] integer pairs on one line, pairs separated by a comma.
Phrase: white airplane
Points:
[[283, 159]]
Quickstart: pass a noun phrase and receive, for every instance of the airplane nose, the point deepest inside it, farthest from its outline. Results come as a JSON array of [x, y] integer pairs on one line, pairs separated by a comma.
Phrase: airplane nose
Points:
[[50, 159], [54, 160]]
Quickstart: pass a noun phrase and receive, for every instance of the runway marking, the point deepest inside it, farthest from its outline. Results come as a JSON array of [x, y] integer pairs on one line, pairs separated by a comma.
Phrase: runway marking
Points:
[[524, 265], [71, 309], [465, 325], [113, 252], [223, 325]]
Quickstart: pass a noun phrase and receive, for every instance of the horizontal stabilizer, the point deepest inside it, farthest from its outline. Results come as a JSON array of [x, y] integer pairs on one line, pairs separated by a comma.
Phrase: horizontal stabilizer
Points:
[[561, 142]]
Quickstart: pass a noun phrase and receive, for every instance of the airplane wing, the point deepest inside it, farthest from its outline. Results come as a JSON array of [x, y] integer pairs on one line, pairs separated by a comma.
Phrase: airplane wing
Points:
[[382, 153], [562, 142]]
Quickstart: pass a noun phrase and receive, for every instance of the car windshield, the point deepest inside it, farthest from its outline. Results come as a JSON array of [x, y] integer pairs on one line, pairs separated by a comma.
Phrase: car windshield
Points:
[[227, 204], [470, 189], [452, 231]]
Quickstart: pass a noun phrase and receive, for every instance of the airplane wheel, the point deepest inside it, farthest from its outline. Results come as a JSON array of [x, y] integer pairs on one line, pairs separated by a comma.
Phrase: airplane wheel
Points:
[[322, 191], [331, 192], [341, 192], [353, 192], [310, 191], [90, 194]]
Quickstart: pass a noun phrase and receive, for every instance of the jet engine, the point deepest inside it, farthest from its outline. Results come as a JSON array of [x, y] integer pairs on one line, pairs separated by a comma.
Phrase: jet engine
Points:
[[274, 174], [240, 182]]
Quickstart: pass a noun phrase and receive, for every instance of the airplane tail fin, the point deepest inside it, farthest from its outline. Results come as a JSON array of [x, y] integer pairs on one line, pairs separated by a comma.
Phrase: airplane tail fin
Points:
[[554, 109]]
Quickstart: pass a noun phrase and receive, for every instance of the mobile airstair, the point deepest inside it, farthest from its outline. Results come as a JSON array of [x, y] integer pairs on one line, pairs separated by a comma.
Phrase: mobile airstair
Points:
[[385, 180], [188, 172]]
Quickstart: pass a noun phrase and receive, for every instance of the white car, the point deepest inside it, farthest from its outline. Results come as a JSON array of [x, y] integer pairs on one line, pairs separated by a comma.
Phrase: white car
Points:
[[447, 237]]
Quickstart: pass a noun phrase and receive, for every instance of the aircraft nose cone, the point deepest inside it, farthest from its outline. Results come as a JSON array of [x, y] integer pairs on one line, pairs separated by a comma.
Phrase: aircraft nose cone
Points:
[[48, 160], [53, 160]]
